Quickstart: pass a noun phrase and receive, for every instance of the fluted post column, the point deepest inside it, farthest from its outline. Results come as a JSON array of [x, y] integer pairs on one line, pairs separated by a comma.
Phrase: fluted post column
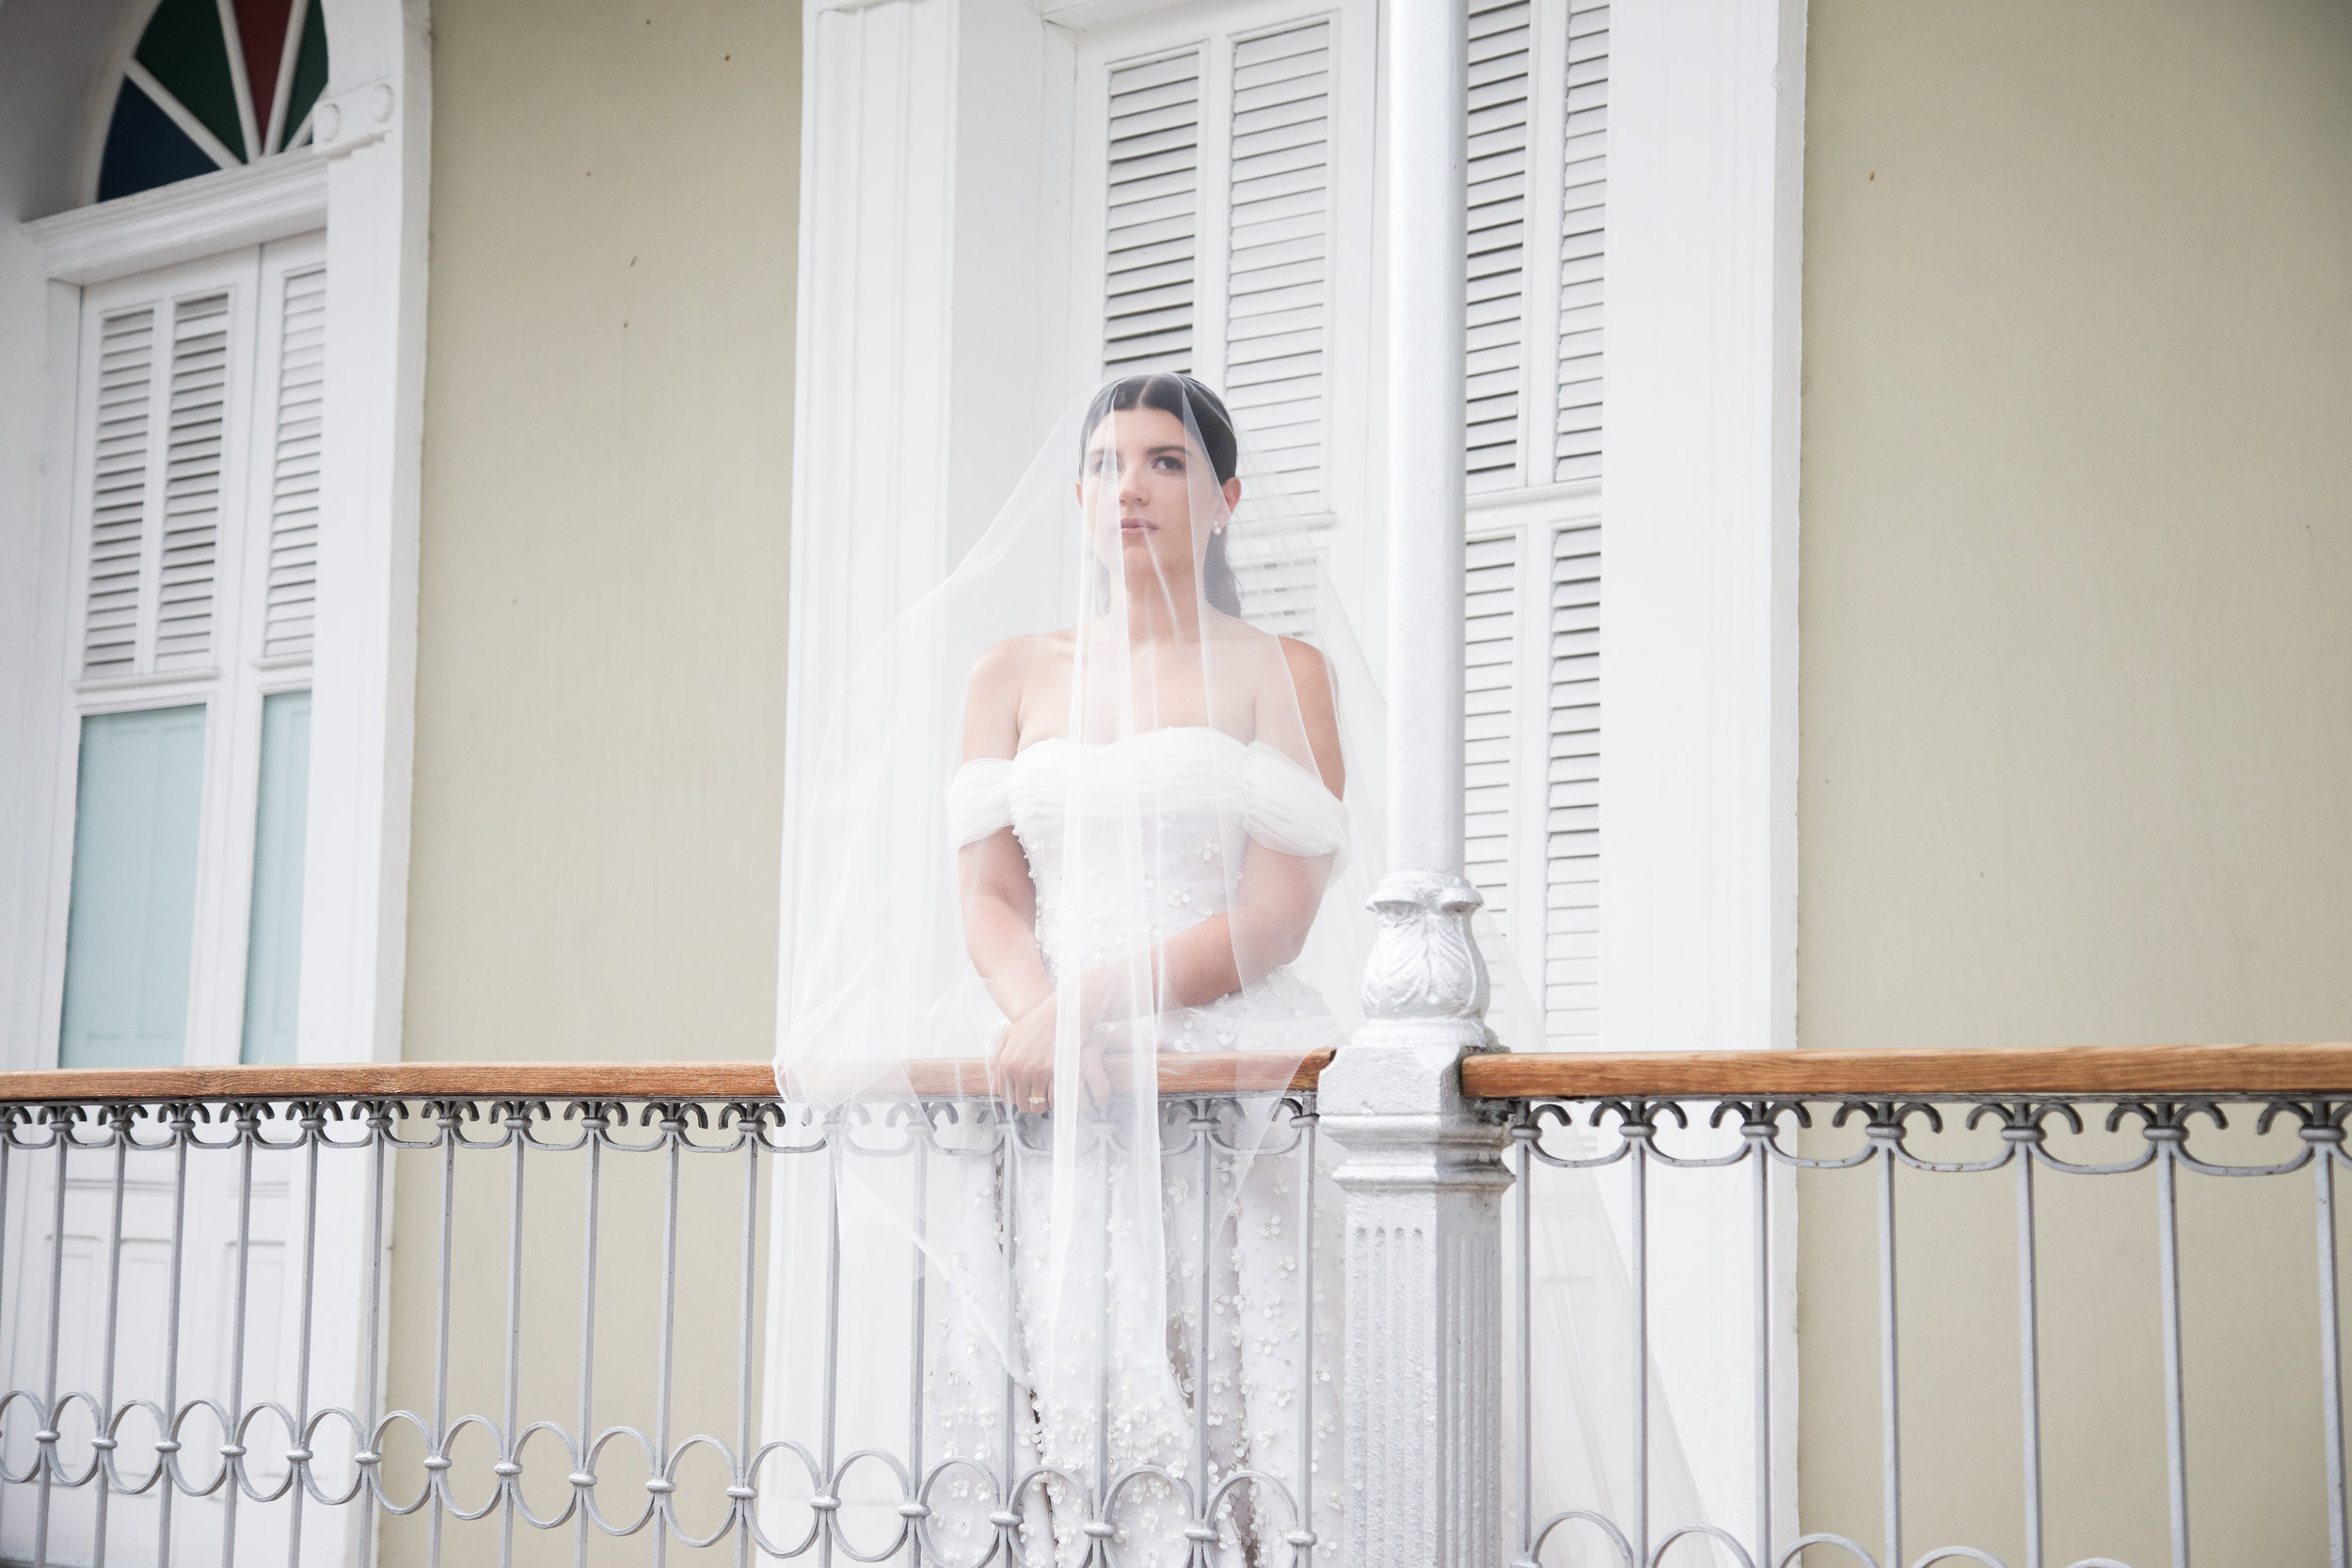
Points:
[[1424, 1169]]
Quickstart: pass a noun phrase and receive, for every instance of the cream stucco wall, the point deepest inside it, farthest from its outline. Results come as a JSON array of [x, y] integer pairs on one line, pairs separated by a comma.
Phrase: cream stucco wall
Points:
[[600, 667], [2076, 643]]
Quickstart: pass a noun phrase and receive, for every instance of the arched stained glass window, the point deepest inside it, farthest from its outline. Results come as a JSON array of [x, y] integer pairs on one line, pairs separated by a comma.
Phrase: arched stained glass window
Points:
[[213, 85]]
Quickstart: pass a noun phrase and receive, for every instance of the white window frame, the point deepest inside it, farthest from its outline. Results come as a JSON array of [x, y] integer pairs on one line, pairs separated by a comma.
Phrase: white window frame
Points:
[[237, 680], [361, 181]]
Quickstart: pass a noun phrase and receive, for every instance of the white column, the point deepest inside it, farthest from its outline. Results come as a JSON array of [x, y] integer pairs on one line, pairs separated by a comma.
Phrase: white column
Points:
[[1424, 1169]]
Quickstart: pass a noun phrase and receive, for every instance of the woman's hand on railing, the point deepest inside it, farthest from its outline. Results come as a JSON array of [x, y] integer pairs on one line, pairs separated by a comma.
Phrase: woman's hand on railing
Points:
[[1021, 1068]]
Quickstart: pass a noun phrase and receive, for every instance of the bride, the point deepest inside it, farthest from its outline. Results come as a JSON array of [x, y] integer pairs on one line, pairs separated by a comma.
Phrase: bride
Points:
[[1077, 887], [1120, 1349]]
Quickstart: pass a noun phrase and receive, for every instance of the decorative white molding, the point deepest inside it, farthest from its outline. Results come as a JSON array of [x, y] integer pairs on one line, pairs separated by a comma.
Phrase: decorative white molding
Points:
[[1424, 963], [268, 200], [350, 121]]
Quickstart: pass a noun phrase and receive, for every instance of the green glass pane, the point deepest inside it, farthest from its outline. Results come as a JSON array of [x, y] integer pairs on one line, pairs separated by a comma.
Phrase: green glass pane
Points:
[[184, 47], [133, 914], [309, 75], [272, 960]]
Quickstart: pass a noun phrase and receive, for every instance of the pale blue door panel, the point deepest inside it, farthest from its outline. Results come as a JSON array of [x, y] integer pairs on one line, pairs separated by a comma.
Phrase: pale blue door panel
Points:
[[273, 960], [128, 930]]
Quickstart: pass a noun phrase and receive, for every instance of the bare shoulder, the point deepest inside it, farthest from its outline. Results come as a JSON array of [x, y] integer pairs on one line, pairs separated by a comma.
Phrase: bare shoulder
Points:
[[1311, 681], [1309, 672], [1002, 678]]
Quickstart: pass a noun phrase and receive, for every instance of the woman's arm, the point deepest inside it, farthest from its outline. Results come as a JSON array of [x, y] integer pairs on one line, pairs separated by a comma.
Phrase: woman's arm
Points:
[[999, 899]]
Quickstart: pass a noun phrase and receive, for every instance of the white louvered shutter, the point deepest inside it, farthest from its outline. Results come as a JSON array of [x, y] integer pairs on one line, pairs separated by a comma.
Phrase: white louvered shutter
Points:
[[1495, 348], [1278, 272], [1535, 248], [290, 589], [1490, 719], [1583, 244], [118, 493], [1572, 789], [1152, 229], [193, 463]]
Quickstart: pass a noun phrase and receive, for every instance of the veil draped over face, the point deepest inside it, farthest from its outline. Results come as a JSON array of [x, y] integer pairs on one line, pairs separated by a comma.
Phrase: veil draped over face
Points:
[[1093, 814], [1077, 885]]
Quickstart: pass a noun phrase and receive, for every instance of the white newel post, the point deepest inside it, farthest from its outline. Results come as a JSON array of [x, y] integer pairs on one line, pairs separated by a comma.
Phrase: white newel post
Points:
[[1423, 1172]]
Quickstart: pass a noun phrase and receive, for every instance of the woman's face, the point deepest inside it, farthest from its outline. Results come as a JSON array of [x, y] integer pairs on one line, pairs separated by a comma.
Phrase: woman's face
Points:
[[1151, 498]]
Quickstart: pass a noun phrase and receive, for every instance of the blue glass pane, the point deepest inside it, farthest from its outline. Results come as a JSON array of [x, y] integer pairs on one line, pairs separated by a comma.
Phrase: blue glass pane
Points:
[[144, 149], [272, 960], [134, 902]]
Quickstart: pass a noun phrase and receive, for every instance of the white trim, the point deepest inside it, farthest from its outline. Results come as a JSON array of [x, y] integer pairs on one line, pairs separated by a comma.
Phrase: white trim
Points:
[[275, 139], [247, 205], [232, 40], [1698, 951]]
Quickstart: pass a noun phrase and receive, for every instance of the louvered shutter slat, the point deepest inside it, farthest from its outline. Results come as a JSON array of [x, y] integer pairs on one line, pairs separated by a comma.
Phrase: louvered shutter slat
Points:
[[1489, 701], [291, 591], [1572, 790], [1153, 221], [192, 481], [1276, 279], [118, 471], [1578, 409], [1496, 241]]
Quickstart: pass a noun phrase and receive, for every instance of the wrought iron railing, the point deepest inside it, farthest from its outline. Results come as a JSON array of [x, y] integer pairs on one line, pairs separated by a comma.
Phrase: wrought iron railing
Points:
[[224, 1344], [187, 1457], [1902, 1122]]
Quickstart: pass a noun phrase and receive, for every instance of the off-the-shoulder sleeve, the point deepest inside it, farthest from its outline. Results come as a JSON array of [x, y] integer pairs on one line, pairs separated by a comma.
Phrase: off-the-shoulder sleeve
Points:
[[980, 800], [1287, 809]]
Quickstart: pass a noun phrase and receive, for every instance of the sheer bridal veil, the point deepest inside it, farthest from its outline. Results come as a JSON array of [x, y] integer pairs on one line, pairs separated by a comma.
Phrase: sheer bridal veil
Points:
[[1102, 808]]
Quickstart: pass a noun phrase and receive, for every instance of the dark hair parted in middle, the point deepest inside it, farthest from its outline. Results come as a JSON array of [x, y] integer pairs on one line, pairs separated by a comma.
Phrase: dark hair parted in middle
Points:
[[1203, 413]]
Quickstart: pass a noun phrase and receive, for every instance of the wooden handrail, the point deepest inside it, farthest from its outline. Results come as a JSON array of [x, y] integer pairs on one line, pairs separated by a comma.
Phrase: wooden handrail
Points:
[[2093, 1069], [1193, 1072], [2132, 1070]]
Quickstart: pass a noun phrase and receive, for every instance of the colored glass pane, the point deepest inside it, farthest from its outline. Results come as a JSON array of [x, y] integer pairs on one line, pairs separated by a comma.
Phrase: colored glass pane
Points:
[[184, 50], [144, 149], [310, 73], [261, 29], [184, 105]]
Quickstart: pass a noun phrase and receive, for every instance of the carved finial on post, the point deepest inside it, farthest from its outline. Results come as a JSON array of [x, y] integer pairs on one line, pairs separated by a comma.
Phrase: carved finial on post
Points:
[[1422, 1177], [1425, 963]]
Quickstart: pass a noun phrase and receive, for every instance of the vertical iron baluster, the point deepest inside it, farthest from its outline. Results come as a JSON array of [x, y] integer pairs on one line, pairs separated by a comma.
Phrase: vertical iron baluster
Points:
[[508, 1469], [2175, 1434], [183, 1131], [314, 1128], [7, 1148], [119, 1120], [379, 1119], [1758, 1150], [2330, 1343], [437, 1463], [1097, 1556], [828, 1499], [45, 1440], [2030, 1352], [233, 1441], [745, 1493], [1641, 1337], [1200, 1128], [1305, 1119], [1008, 1516], [595, 1121], [662, 1486], [914, 1383], [1890, 1361], [1524, 1132]]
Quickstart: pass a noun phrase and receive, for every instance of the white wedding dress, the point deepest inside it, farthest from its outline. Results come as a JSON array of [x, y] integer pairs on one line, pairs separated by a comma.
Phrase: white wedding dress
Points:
[[1201, 798]]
